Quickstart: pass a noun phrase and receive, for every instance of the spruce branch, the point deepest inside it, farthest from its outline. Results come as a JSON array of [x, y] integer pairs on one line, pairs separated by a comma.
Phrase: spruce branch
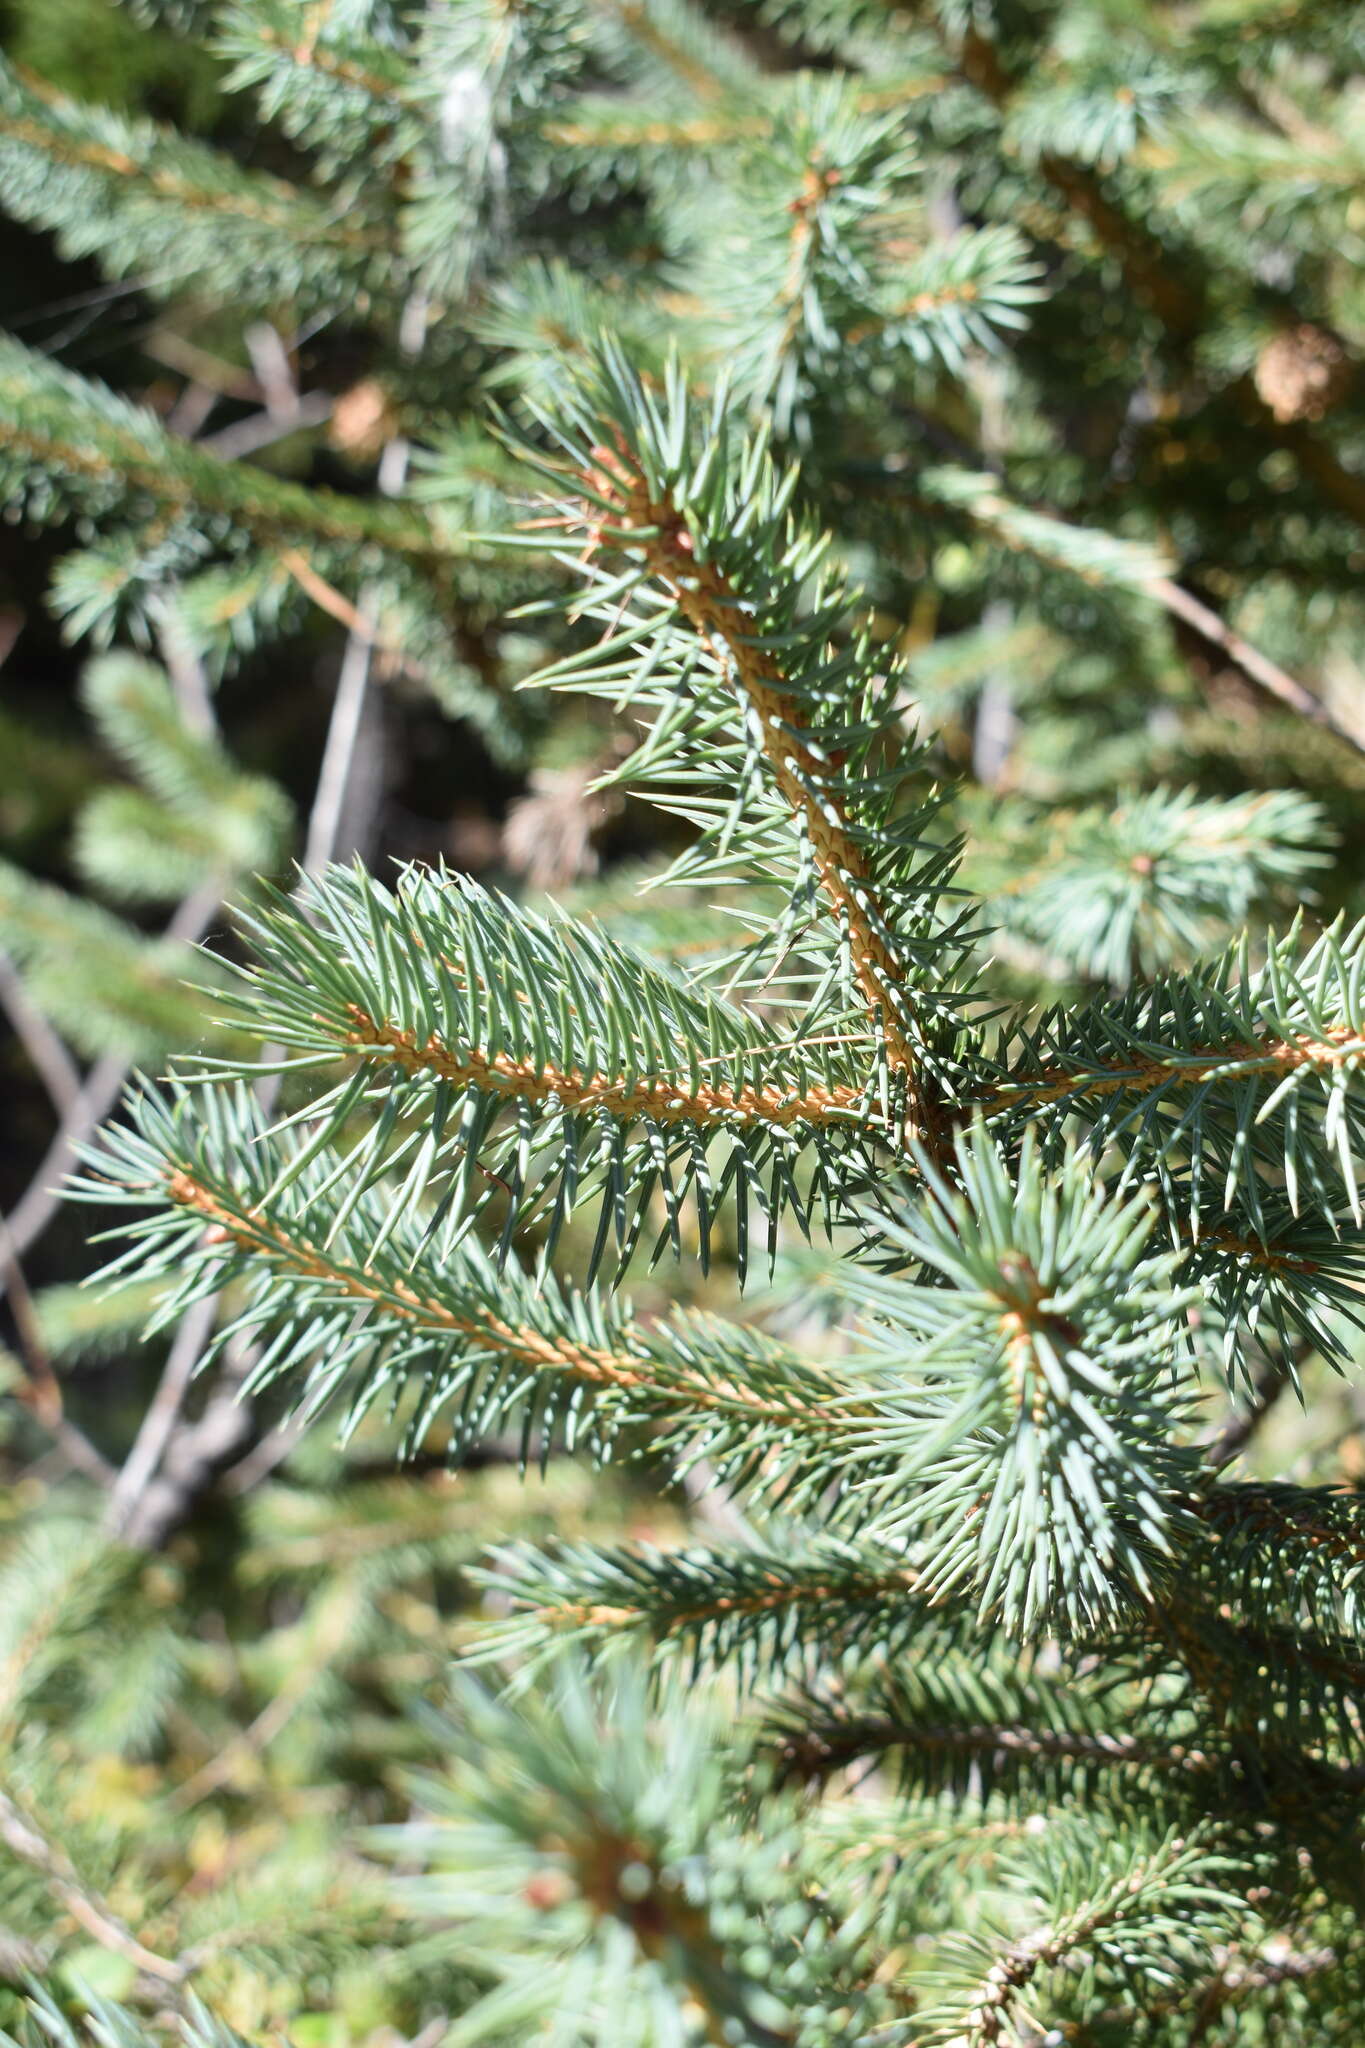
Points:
[[1256, 1068], [751, 1609], [715, 611], [707, 544], [1282, 1551], [441, 991], [1154, 882], [479, 1346], [1171, 286], [1096, 559], [69, 443], [609, 124], [1139, 1911], [815, 1737], [983, 1546], [295, 74], [666, 1099], [24, 1839], [148, 201]]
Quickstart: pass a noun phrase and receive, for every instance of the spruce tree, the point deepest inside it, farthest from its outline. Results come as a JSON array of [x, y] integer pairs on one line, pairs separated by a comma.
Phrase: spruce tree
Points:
[[913, 434]]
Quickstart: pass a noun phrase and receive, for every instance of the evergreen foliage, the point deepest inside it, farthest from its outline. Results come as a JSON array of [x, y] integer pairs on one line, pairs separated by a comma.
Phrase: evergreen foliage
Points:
[[915, 443], [1028, 1212]]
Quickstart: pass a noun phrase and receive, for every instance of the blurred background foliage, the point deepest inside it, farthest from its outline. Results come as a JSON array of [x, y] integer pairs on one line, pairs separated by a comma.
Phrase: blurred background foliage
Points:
[[217, 1709]]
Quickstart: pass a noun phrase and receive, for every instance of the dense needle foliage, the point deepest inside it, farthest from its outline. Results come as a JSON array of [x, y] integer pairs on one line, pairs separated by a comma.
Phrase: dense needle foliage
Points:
[[714, 1469]]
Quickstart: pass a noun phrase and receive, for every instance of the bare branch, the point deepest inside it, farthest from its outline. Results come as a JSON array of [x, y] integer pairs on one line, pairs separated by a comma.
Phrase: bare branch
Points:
[[191, 686], [99, 1092], [194, 1331], [43, 1394], [259, 429], [274, 371], [1256, 666], [45, 1047], [339, 753], [1270, 1381], [165, 346]]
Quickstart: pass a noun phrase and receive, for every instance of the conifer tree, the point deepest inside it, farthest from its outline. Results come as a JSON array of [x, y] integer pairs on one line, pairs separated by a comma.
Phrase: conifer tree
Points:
[[908, 434]]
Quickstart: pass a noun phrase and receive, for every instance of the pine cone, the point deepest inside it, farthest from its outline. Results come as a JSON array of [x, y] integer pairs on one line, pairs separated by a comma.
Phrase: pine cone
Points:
[[1302, 372]]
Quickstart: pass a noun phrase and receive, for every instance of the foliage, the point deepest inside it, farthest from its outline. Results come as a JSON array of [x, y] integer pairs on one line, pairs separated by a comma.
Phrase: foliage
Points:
[[845, 1247]]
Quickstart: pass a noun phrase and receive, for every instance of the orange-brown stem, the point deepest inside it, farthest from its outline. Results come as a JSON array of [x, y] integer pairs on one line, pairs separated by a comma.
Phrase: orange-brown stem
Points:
[[715, 613], [628, 1368], [782, 1593], [666, 1100], [1277, 1056]]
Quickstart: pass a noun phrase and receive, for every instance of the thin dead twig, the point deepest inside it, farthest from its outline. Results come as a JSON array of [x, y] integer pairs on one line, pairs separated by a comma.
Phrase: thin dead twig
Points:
[[24, 1839], [1257, 667], [99, 1092], [47, 1050], [1232, 1438], [41, 1392]]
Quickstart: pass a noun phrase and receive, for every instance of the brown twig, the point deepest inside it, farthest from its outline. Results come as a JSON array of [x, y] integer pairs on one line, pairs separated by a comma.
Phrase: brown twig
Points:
[[23, 1839], [99, 1092], [1231, 1439], [711, 607], [665, 1098], [41, 1391], [45, 1047], [1253, 664]]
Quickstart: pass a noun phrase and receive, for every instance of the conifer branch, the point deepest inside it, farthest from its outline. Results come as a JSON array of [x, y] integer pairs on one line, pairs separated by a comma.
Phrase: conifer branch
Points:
[[987, 2019], [844, 1738], [311, 53], [222, 187], [1191, 1067], [1176, 296], [606, 124], [652, 31], [23, 1839], [1255, 1066], [615, 1056], [1101, 561], [715, 611], [751, 1607], [665, 1099], [86, 441], [975, 1536], [625, 510], [225, 1221], [458, 1316]]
